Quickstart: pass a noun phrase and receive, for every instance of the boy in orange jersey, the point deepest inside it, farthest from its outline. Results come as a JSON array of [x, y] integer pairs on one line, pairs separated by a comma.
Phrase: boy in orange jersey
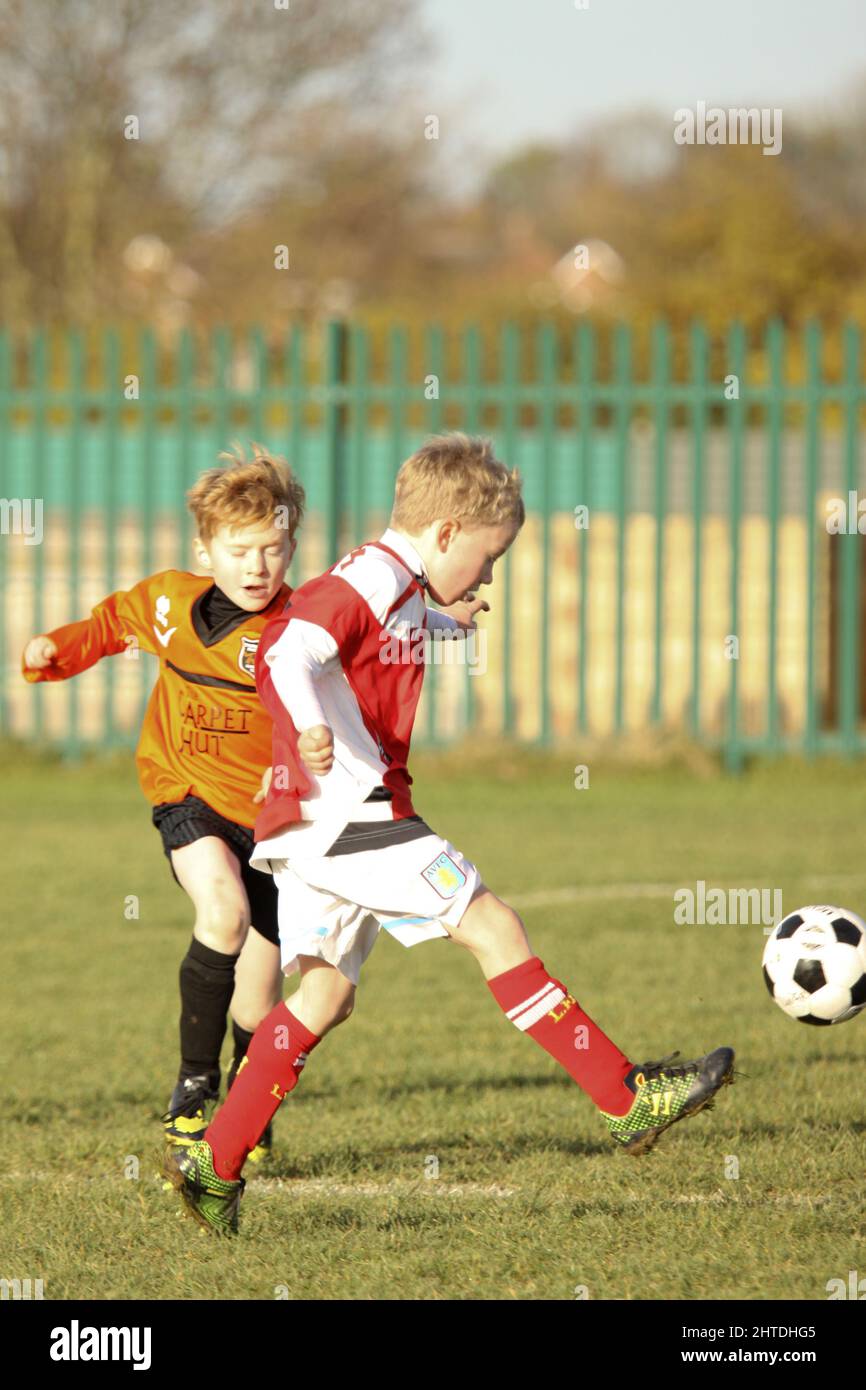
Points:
[[204, 743]]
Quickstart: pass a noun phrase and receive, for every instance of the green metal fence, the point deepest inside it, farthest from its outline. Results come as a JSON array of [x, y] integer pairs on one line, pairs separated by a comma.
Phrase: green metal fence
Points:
[[695, 457]]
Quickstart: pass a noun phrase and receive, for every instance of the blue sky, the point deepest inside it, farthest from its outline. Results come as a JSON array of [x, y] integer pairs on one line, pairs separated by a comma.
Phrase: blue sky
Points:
[[523, 69]]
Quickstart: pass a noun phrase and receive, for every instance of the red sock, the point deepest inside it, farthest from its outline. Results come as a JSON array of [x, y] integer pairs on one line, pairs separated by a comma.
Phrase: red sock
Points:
[[543, 1008], [274, 1061]]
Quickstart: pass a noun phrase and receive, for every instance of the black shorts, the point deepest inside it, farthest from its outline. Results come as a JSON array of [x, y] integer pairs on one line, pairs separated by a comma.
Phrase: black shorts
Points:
[[183, 822]]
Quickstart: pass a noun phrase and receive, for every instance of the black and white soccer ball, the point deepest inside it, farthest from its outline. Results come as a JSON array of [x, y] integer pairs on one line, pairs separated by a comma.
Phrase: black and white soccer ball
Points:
[[815, 964]]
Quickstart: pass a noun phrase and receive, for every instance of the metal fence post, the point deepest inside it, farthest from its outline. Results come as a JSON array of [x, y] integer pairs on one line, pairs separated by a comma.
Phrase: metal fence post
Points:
[[335, 426], [737, 365], [849, 557]]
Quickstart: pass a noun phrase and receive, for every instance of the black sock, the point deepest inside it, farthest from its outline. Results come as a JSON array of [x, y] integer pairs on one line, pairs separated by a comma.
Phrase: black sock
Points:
[[207, 982], [242, 1041]]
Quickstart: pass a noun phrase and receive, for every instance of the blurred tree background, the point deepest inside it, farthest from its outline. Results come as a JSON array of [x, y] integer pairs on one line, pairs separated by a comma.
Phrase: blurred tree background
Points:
[[257, 128]]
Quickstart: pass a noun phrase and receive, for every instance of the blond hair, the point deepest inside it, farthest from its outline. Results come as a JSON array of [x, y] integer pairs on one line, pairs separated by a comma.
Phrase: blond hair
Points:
[[246, 491], [456, 475]]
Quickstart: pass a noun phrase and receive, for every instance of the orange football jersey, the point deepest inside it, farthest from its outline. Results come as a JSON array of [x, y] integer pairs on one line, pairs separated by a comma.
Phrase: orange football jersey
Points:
[[205, 732]]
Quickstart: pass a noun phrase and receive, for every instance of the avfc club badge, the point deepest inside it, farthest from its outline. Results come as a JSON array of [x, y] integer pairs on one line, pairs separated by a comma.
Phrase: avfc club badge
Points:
[[247, 655], [445, 876]]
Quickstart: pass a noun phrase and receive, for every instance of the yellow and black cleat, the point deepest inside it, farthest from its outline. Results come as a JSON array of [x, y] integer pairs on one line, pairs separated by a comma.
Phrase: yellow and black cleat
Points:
[[262, 1153], [185, 1121]]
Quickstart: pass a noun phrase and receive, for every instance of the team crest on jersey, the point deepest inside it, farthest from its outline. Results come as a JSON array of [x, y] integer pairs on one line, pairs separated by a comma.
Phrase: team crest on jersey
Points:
[[247, 655], [444, 875]]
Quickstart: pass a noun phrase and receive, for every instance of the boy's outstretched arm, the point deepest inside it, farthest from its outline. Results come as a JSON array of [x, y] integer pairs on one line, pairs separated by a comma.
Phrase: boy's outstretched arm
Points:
[[75, 647]]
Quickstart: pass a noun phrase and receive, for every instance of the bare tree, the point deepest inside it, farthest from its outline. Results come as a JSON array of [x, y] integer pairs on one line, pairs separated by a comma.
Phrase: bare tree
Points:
[[119, 116]]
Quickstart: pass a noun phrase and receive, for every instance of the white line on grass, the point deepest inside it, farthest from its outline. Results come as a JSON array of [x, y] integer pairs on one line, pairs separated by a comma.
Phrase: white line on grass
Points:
[[300, 1187], [592, 892], [398, 1187], [321, 1187], [395, 1187], [432, 1187]]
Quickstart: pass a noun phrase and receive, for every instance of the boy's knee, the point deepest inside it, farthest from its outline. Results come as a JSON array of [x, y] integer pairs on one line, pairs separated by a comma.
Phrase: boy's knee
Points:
[[222, 924]]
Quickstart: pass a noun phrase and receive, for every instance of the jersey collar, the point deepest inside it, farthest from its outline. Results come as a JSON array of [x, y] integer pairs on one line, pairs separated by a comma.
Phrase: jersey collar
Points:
[[215, 616], [403, 547]]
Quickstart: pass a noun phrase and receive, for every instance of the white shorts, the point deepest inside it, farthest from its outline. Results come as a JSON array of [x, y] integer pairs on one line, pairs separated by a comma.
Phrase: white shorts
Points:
[[334, 907]]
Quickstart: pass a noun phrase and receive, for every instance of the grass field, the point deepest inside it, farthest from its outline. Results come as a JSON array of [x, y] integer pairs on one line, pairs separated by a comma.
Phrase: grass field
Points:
[[531, 1200]]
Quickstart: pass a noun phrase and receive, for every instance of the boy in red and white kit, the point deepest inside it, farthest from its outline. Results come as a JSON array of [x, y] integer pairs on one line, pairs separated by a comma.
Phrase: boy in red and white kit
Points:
[[339, 673]]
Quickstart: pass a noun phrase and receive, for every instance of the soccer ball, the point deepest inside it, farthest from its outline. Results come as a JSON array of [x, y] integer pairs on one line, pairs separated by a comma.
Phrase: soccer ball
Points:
[[815, 964]]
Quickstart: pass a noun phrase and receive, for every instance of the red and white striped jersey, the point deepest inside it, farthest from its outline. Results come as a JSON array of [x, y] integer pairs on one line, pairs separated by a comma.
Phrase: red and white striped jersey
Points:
[[342, 654]]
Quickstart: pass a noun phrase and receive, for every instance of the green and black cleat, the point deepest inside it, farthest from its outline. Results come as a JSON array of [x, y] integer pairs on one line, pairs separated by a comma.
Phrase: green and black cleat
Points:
[[212, 1201], [185, 1121], [666, 1093]]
